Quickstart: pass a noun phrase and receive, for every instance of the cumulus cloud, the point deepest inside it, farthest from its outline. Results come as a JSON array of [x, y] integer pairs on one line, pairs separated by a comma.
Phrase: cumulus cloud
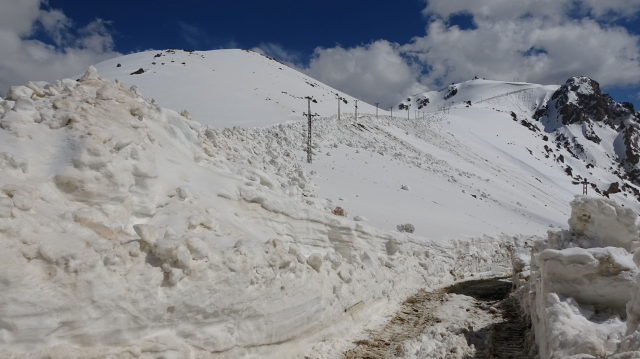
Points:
[[537, 41], [540, 41], [373, 73], [555, 10], [72, 49]]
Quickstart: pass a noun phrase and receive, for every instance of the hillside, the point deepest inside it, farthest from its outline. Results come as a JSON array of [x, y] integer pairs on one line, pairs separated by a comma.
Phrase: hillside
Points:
[[226, 88], [152, 232], [574, 130], [128, 230]]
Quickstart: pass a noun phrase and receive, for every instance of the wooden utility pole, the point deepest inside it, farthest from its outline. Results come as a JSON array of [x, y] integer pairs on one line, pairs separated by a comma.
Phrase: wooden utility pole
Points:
[[356, 111], [584, 186], [309, 117], [377, 103]]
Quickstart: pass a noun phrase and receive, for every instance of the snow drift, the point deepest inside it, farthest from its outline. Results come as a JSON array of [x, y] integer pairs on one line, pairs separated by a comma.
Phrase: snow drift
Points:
[[128, 230]]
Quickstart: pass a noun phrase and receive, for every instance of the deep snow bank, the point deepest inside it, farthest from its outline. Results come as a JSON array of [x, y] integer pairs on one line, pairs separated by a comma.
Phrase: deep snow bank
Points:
[[129, 230], [583, 293]]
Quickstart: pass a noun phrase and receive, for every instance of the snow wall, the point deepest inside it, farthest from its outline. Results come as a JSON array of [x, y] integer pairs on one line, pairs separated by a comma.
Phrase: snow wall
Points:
[[581, 285], [131, 231]]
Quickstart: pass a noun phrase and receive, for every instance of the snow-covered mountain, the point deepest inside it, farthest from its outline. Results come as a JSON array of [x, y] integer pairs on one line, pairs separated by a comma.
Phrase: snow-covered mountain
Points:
[[226, 88], [128, 229], [587, 133]]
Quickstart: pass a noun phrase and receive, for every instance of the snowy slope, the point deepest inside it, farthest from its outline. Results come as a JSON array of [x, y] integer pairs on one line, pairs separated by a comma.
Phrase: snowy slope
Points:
[[128, 230], [226, 88], [478, 91], [463, 139], [151, 232]]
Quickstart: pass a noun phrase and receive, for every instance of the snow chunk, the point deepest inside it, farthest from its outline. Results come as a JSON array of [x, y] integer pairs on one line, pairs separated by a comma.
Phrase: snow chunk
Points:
[[148, 234], [595, 276], [183, 193], [601, 222], [8, 161], [22, 202], [186, 115], [197, 247], [91, 75], [409, 228], [6, 207], [315, 261], [17, 92], [295, 251], [96, 220], [392, 247]]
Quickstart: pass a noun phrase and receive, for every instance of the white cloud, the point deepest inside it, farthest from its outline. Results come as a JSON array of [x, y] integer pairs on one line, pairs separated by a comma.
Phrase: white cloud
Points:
[[373, 73], [501, 50], [554, 10], [23, 58], [536, 41], [540, 41]]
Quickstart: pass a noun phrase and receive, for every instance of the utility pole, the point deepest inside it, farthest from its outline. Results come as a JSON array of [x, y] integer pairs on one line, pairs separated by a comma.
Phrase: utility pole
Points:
[[339, 99], [356, 111], [408, 111], [309, 117], [391, 111], [377, 103], [584, 186]]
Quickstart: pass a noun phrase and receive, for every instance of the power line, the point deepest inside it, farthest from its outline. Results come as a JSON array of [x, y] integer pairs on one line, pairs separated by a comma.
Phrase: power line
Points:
[[309, 117], [339, 99]]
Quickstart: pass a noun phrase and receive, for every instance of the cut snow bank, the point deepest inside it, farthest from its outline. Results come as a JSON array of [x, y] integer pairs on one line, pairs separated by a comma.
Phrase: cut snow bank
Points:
[[582, 293], [128, 230]]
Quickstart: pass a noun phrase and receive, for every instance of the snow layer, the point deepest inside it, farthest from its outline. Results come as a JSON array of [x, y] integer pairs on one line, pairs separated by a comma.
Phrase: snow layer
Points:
[[583, 290], [129, 230]]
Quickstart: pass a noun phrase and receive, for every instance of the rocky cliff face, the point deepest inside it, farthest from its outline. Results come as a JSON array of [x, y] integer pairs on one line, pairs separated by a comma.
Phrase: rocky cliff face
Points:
[[579, 113], [580, 101]]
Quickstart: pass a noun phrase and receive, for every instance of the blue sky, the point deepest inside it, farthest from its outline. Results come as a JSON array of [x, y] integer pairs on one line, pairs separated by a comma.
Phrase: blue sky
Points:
[[298, 25], [351, 45]]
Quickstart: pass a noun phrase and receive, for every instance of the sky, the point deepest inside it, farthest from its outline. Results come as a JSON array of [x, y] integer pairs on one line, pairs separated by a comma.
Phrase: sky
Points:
[[379, 51]]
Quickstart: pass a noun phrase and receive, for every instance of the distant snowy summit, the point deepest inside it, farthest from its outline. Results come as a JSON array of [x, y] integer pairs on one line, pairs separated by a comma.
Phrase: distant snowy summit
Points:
[[576, 116], [226, 88]]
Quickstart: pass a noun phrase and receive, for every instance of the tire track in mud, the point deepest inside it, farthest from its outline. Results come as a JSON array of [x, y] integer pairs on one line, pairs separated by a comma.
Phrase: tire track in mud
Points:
[[414, 315], [504, 337]]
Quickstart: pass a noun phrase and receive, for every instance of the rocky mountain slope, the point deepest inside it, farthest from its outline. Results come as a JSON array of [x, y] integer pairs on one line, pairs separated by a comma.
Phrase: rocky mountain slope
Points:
[[576, 120]]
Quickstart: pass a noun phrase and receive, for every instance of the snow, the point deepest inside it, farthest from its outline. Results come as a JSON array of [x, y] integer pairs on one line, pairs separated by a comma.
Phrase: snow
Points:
[[129, 230], [582, 291], [226, 88], [447, 339]]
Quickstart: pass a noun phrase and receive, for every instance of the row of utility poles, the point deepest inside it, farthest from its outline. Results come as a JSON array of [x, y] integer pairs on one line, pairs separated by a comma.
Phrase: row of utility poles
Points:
[[310, 117]]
